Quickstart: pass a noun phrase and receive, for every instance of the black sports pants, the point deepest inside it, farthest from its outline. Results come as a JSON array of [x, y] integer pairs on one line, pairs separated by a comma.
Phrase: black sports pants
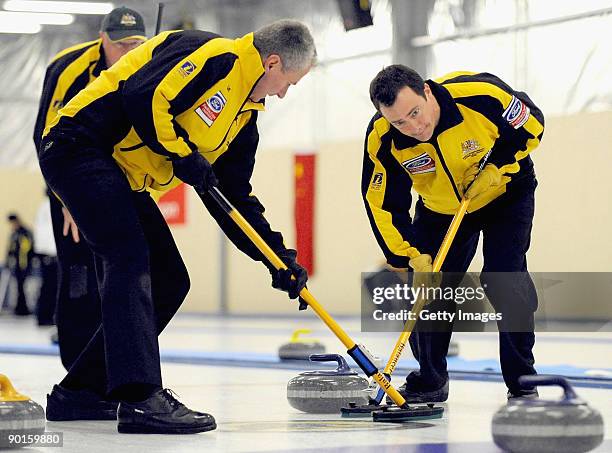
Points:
[[77, 312], [506, 227], [141, 277]]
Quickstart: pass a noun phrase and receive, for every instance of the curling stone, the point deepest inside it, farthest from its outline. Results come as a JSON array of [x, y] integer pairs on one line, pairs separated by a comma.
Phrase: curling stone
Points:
[[299, 348], [535, 425], [19, 415], [453, 349], [326, 391]]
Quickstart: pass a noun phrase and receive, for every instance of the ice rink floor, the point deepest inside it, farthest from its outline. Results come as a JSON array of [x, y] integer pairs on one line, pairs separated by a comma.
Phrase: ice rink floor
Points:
[[228, 367]]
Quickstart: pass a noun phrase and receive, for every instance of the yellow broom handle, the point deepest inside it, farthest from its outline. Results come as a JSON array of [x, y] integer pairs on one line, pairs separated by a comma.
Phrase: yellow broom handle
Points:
[[437, 265], [454, 226], [304, 293], [450, 235], [278, 264], [418, 305]]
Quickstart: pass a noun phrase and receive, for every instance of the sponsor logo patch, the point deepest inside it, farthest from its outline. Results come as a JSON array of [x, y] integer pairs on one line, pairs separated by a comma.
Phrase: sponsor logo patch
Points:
[[470, 148], [187, 68], [211, 108], [517, 113], [377, 181], [420, 164], [128, 19]]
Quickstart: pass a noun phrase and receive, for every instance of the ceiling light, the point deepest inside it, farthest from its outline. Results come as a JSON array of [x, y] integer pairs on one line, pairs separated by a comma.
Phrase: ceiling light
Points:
[[36, 18], [19, 28], [58, 7]]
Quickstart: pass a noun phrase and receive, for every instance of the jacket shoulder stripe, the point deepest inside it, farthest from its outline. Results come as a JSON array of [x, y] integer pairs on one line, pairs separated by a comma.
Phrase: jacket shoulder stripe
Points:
[[78, 50], [213, 63], [460, 90], [453, 75], [189, 39], [378, 128], [65, 77], [217, 49]]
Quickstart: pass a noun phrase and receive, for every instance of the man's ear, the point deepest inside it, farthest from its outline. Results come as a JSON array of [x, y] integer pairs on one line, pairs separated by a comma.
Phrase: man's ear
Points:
[[271, 61]]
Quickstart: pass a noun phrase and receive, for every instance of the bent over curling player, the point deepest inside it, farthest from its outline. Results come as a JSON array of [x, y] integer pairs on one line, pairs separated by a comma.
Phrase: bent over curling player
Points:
[[181, 107], [431, 136]]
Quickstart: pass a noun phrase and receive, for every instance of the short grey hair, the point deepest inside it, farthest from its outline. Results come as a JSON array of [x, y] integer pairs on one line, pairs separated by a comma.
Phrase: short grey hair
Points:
[[290, 40]]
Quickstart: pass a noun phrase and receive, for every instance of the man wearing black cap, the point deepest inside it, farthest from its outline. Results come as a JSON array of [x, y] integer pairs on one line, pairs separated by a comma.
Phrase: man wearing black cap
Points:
[[122, 30], [71, 70]]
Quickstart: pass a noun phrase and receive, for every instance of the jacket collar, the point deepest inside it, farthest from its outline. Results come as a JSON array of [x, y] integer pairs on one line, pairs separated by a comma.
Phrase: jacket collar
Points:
[[251, 68], [101, 63], [450, 115]]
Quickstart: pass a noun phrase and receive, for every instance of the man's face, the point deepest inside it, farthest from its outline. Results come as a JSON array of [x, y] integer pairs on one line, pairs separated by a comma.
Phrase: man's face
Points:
[[413, 115], [113, 50], [275, 81]]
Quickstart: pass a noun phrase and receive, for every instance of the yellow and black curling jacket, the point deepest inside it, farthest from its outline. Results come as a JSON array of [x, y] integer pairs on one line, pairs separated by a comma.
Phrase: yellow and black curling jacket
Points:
[[21, 250], [478, 112], [179, 92], [69, 72]]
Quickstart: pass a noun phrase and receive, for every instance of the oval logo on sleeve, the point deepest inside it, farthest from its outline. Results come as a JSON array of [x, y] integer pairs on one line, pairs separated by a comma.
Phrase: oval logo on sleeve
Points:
[[517, 113]]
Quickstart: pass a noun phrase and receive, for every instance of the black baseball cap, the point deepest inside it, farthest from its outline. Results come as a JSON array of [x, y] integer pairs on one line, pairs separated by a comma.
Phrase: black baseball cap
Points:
[[122, 23]]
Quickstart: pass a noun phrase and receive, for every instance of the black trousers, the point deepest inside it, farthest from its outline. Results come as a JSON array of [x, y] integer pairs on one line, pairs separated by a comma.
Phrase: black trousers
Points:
[[506, 225], [45, 306], [141, 277], [21, 307], [77, 312]]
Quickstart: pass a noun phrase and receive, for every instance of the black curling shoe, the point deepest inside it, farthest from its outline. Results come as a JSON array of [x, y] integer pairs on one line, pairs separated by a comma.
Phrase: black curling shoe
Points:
[[162, 413], [66, 405], [414, 396], [518, 395]]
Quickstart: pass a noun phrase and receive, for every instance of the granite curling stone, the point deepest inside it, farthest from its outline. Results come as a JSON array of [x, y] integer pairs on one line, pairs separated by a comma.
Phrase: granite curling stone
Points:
[[568, 425], [327, 391], [300, 349], [20, 417]]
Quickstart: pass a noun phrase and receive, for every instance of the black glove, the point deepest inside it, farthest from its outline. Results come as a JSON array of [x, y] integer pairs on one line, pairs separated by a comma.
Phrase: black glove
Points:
[[195, 170], [281, 279]]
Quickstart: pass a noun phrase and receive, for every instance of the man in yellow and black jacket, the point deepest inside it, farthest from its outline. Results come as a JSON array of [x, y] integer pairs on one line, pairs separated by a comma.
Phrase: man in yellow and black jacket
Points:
[[19, 260], [181, 107], [431, 136], [71, 70]]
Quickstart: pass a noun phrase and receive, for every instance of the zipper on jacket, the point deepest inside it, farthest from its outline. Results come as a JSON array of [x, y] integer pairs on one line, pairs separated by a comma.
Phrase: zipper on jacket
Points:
[[237, 115], [447, 171]]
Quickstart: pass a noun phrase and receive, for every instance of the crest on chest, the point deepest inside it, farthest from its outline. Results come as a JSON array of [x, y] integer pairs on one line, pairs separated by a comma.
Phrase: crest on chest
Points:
[[470, 147]]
